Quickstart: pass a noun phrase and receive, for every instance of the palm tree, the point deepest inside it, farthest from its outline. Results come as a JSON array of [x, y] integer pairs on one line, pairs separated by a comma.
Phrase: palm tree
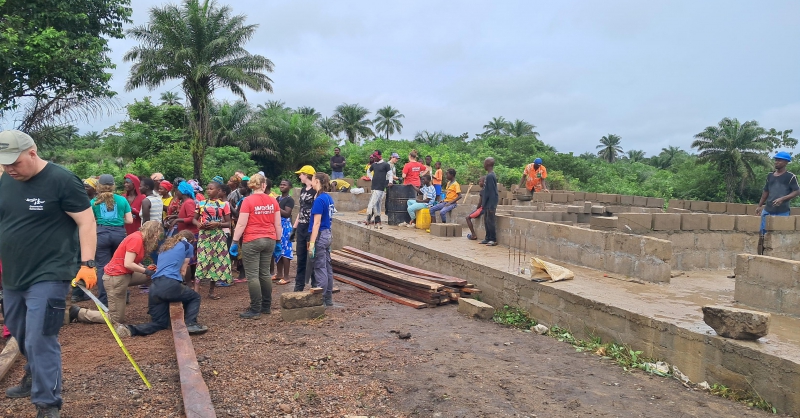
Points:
[[520, 128], [329, 127], [610, 149], [388, 121], [496, 126], [273, 105], [202, 45], [352, 120], [429, 138], [308, 111], [635, 155], [734, 149], [170, 98]]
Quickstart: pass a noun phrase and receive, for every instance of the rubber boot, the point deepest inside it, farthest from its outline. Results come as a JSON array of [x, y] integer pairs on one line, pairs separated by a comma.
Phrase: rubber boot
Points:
[[46, 411], [23, 390]]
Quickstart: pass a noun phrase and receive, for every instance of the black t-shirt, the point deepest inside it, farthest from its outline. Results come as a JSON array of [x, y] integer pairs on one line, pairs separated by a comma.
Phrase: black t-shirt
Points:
[[779, 186], [490, 197], [306, 201], [337, 159], [38, 240], [285, 202], [379, 180]]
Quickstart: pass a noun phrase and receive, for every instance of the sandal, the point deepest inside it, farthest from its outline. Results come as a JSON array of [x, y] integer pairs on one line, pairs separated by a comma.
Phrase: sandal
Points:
[[470, 237], [214, 297], [282, 281], [274, 277]]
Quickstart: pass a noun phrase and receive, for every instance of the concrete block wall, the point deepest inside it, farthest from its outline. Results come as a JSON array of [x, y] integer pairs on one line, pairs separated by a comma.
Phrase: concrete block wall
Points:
[[768, 283]]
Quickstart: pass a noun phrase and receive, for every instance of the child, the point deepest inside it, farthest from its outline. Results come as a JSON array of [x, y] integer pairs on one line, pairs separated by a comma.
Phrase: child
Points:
[[437, 181], [475, 215], [319, 245], [212, 215], [489, 200], [452, 194], [283, 257], [428, 198]]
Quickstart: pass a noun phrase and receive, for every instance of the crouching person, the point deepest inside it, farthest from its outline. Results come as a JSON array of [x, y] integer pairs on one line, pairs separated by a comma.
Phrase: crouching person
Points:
[[167, 287]]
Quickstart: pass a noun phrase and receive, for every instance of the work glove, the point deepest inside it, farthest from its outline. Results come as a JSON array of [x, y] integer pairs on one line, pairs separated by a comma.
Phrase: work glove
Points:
[[234, 251], [312, 250], [86, 276], [148, 272]]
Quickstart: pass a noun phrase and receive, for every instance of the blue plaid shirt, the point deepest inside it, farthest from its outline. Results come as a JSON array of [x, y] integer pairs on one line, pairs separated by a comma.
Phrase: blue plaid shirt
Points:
[[430, 193]]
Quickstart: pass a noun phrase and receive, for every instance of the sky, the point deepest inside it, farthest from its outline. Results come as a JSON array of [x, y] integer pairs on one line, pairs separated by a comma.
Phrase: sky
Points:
[[653, 72]]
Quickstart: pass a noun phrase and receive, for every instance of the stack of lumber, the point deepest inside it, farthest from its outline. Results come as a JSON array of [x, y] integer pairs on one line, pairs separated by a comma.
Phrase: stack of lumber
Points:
[[396, 281]]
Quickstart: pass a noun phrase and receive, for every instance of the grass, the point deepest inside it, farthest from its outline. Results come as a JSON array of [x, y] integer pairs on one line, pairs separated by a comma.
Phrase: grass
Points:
[[753, 400], [513, 317]]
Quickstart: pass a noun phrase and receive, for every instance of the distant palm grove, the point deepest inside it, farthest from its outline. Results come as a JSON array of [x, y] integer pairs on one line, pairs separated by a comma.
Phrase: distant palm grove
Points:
[[186, 131]]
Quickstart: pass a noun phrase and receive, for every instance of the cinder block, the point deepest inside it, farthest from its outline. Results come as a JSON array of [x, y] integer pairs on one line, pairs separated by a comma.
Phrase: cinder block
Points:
[[542, 197], [609, 222], [568, 223], [559, 198], [543, 216], [751, 210], [694, 221], [590, 196], [579, 196], [587, 207], [698, 206], [439, 230], [678, 210], [294, 300], [574, 209], [626, 200], [717, 207], [655, 202], [738, 209], [570, 197], [794, 211], [721, 222], [298, 314], [584, 218], [639, 201], [676, 203], [747, 223], [636, 223], [454, 230], [558, 216], [364, 183], [617, 209], [475, 308], [780, 223], [666, 221], [598, 210], [569, 217], [607, 198]]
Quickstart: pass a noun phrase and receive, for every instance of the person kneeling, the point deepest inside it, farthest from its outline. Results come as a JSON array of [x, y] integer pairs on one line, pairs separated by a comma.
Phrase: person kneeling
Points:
[[167, 287]]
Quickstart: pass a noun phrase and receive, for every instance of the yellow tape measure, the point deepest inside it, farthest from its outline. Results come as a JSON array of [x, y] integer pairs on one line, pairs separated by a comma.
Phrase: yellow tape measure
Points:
[[122, 346]]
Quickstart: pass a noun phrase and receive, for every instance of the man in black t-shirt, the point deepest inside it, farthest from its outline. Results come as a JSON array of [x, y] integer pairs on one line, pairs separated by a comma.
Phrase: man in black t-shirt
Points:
[[337, 165], [306, 200], [380, 181], [780, 189], [45, 220]]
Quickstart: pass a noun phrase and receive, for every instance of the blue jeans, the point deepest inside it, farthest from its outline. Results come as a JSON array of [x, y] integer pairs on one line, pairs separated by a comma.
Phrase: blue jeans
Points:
[[444, 208], [413, 207], [337, 175], [323, 269], [764, 215], [34, 317], [108, 240], [163, 291]]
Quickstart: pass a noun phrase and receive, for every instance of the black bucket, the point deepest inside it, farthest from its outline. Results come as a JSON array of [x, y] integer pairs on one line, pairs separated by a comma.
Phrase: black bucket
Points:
[[397, 197]]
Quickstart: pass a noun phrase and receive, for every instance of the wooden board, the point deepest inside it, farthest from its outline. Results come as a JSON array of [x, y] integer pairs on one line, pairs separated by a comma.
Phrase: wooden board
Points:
[[429, 275], [415, 294], [380, 292], [385, 274], [196, 399], [8, 357]]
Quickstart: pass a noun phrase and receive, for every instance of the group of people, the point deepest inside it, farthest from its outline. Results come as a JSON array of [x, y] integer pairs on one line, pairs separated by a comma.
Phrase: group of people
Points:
[[167, 237]]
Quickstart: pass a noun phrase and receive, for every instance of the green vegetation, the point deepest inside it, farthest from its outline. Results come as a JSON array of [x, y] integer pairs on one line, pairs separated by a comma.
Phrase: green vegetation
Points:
[[753, 400], [513, 317]]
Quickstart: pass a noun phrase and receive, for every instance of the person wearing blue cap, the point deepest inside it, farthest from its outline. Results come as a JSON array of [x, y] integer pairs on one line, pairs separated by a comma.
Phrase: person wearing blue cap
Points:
[[533, 178], [780, 189]]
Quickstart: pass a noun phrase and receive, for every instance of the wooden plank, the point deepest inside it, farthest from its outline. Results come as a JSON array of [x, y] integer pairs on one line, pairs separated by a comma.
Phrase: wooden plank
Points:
[[432, 276], [380, 292], [8, 357], [416, 294], [385, 274], [356, 257], [196, 399]]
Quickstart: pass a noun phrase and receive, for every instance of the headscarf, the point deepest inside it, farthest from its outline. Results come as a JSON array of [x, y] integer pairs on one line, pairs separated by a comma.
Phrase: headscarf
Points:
[[186, 189], [219, 180], [167, 185], [136, 183], [91, 182], [195, 186]]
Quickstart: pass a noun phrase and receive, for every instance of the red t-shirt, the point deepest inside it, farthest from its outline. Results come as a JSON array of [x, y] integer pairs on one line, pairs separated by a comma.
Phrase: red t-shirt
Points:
[[136, 208], [186, 213], [412, 170], [261, 223], [133, 243]]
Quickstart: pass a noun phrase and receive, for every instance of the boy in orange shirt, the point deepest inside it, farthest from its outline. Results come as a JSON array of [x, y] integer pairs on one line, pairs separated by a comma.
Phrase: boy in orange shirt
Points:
[[437, 180], [452, 195]]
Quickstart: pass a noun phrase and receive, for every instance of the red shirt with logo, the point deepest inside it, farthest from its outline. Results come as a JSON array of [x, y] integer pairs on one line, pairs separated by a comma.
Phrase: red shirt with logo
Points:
[[261, 223], [412, 170]]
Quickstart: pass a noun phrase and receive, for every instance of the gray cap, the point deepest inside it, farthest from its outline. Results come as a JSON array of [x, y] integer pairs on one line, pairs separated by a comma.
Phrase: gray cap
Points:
[[12, 143], [106, 180], [395, 155]]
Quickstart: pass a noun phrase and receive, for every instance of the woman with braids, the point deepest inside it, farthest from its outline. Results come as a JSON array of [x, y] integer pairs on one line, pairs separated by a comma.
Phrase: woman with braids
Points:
[[184, 219], [212, 217], [173, 261], [319, 245], [126, 269]]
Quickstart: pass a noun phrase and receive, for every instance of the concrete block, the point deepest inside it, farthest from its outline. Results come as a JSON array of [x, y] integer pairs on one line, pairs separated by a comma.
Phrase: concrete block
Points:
[[721, 222], [655, 202], [678, 210], [574, 209], [542, 197], [666, 222], [794, 211], [475, 308], [751, 210], [439, 230], [587, 207], [299, 314], [558, 216], [736, 209], [747, 223], [717, 207], [590, 196], [771, 272], [694, 221], [709, 242], [626, 200], [797, 223], [676, 203], [598, 210], [658, 248], [363, 183], [294, 300], [579, 196], [698, 206], [607, 198], [559, 198], [454, 230], [617, 209], [636, 223], [639, 201], [543, 216], [756, 295], [570, 197], [604, 222], [780, 223], [569, 217], [585, 218]]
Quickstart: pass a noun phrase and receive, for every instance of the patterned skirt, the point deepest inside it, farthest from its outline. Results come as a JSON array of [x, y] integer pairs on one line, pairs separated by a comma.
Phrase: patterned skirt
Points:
[[213, 262], [284, 249]]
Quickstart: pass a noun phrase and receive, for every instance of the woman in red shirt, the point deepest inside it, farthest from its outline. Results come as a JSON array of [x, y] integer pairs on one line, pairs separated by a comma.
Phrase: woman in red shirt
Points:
[[125, 268], [135, 198], [412, 170], [258, 227]]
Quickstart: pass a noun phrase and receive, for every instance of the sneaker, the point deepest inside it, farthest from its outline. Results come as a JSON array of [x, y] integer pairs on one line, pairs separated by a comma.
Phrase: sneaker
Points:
[[73, 313], [411, 225], [484, 242], [123, 330], [491, 244], [78, 298], [196, 329], [248, 314], [266, 311], [46, 411], [23, 390]]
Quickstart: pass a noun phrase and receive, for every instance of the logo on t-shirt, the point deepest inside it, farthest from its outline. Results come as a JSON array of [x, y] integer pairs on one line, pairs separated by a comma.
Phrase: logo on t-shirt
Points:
[[106, 214], [36, 203], [264, 210]]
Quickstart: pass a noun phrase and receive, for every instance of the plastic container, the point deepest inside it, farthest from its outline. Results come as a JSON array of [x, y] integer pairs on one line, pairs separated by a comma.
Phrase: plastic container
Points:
[[423, 218]]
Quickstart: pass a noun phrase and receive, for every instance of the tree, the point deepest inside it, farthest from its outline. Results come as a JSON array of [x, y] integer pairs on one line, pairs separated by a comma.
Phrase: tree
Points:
[[520, 128], [635, 155], [309, 111], [329, 126], [734, 148], [298, 138], [352, 120], [170, 98], [429, 138], [202, 45], [496, 126], [388, 121], [236, 124], [609, 148], [148, 130], [55, 57]]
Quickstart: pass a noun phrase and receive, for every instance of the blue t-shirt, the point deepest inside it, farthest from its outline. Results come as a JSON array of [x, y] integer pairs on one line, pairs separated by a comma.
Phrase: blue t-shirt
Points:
[[323, 205], [171, 261]]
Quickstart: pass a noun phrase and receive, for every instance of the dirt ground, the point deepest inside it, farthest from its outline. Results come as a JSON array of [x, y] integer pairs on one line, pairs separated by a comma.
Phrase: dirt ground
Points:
[[350, 363]]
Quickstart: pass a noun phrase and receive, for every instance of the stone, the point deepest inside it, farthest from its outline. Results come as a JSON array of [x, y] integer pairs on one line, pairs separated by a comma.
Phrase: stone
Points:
[[639, 201], [717, 207], [475, 309], [294, 300], [694, 221], [598, 210], [666, 221], [739, 324], [540, 329], [438, 230], [721, 222], [299, 314]]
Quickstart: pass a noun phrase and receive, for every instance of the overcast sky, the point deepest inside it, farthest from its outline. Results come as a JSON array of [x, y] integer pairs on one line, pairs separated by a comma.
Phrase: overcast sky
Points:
[[653, 72]]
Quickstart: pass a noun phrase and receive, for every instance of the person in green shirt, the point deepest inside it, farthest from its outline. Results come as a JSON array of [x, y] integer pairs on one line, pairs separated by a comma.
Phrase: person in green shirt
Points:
[[111, 212]]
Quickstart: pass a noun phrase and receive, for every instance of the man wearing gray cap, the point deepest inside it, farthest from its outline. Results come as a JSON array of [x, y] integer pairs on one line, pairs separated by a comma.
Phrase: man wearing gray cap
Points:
[[42, 206]]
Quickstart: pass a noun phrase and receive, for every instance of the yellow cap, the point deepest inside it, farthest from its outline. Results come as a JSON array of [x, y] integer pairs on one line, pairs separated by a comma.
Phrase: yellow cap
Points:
[[307, 169]]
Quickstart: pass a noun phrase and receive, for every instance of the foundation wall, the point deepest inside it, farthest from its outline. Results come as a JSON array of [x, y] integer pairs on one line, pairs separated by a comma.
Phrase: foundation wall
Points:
[[768, 283], [700, 356]]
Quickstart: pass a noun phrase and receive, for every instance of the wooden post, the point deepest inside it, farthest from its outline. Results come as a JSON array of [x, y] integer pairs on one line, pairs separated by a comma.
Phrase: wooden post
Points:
[[196, 399], [8, 357]]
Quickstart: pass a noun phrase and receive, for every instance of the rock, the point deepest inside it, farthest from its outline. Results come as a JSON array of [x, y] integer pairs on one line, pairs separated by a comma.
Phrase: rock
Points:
[[540, 329], [294, 300], [285, 408], [739, 324], [475, 308], [298, 314], [403, 335]]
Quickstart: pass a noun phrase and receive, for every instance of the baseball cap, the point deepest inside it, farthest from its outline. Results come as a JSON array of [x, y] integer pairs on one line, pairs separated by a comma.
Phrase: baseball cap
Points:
[[783, 155], [12, 143], [307, 169], [537, 161], [395, 155], [106, 180]]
